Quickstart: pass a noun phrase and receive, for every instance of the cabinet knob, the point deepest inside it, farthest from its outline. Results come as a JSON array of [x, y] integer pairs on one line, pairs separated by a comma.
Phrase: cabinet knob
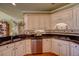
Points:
[[7, 47], [59, 19], [75, 46], [16, 48]]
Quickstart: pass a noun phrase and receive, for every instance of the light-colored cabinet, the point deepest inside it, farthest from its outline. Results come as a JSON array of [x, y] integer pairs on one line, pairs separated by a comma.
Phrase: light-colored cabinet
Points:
[[46, 45], [60, 47], [46, 22], [76, 16], [55, 46], [7, 50], [33, 21], [19, 48], [64, 50], [63, 16], [74, 49], [37, 21], [28, 46]]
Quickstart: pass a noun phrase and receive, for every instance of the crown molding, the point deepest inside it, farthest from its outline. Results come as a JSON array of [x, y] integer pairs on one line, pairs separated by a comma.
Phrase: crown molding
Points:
[[53, 11], [32, 12], [64, 7]]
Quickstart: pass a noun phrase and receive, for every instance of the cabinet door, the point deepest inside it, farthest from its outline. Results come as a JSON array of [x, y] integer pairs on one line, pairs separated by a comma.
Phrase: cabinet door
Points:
[[52, 45], [41, 22], [30, 22], [76, 16], [20, 48], [7, 50], [37, 21], [47, 21], [74, 49], [56, 47], [33, 21], [60, 47], [47, 45], [64, 47], [64, 16], [64, 50], [26, 23], [28, 46]]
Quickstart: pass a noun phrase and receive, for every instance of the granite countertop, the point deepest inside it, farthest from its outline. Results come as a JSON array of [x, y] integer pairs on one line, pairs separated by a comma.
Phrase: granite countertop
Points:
[[11, 39], [63, 33]]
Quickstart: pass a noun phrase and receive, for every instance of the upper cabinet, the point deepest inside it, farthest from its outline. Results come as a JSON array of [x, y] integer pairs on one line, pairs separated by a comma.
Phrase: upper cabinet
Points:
[[47, 21], [69, 16], [63, 16], [37, 21], [76, 16]]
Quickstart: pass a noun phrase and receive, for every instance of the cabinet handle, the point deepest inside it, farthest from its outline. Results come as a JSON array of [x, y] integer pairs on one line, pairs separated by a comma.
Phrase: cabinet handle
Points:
[[75, 46], [7, 47], [13, 48], [59, 19], [16, 48]]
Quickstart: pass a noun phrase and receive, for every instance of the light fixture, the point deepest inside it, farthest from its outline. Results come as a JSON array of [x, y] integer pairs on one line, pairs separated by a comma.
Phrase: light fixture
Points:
[[14, 4]]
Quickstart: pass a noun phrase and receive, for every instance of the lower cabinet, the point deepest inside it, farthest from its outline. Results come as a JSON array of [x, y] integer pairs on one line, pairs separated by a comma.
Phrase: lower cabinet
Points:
[[55, 46], [28, 46], [7, 50], [46, 45], [74, 49], [60, 47], [19, 48], [64, 50]]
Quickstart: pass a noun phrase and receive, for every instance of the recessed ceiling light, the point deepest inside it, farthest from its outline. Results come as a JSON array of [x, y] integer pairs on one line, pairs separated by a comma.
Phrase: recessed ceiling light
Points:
[[14, 4]]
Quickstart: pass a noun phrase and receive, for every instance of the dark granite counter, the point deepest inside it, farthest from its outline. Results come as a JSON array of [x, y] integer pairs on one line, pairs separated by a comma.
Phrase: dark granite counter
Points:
[[16, 38]]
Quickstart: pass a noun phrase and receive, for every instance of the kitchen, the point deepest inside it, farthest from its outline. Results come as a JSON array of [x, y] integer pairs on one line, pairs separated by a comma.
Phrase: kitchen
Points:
[[43, 28]]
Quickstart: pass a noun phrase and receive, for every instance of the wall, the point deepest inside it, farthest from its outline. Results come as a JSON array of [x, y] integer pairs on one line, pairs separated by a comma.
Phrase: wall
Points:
[[13, 28]]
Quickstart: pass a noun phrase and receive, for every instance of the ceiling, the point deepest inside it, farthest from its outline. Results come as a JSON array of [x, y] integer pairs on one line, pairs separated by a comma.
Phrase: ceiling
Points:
[[20, 8]]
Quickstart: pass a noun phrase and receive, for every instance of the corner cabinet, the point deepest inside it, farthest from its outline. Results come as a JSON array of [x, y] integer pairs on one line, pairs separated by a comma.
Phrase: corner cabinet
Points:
[[59, 48], [63, 16], [74, 49]]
